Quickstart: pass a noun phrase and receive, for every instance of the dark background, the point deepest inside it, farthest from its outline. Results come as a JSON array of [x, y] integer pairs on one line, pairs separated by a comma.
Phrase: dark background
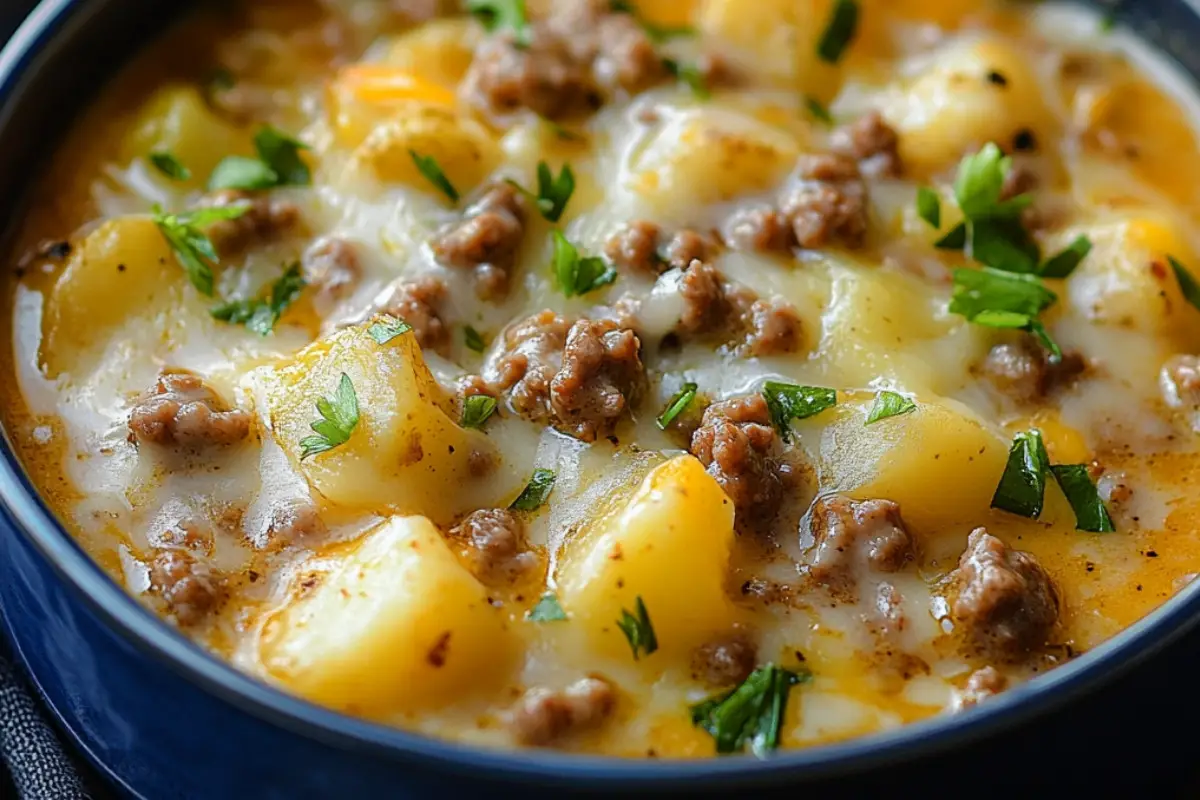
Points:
[[1136, 737]]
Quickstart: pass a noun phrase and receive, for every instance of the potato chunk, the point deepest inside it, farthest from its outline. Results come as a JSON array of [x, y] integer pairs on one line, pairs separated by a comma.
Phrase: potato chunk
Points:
[[176, 119], [670, 545], [398, 624], [406, 454]]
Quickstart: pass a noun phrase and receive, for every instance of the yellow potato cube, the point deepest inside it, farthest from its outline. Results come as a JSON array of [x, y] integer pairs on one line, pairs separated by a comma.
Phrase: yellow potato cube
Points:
[[177, 119], [398, 625]]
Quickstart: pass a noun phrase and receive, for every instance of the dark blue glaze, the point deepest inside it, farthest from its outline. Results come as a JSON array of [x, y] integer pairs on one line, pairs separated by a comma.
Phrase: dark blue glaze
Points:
[[162, 719]]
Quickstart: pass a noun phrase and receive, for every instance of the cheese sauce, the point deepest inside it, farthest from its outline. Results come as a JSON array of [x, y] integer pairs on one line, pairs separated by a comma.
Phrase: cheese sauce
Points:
[[747, 240]]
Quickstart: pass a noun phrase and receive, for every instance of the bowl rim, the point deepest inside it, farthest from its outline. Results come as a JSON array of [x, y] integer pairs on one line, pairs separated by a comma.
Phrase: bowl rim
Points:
[[32, 519]]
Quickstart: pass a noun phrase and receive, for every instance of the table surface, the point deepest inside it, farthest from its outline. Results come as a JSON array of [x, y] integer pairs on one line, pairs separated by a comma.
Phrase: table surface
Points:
[[1127, 737]]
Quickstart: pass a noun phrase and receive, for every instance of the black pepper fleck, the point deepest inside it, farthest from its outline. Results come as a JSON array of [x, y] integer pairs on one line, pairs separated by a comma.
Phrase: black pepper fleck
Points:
[[997, 78]]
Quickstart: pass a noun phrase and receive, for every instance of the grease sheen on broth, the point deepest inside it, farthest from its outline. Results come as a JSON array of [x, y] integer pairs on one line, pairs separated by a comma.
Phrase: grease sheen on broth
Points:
[[350, 577]]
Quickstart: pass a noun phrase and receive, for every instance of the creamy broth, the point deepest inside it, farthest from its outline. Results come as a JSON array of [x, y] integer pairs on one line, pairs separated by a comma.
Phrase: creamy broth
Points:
[[735, 238]]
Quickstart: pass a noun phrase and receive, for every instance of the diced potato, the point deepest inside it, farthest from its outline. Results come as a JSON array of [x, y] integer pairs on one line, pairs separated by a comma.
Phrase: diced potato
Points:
[[971, 93], [437, 52], [364, 95], [123, 269], [398, 625], [407, 454], [669, 545], [776, 41], [706, 156], [176, 119], [464, 149]]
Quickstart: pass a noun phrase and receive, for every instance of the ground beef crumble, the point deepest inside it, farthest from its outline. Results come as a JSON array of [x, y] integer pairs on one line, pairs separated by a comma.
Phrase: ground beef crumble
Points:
[[544, 716], [495, 543], [871, 142], [183, 412], [726, 661], [641, 248], [853, 536], [1024, 372], [331, 266], [266, 219], [418, 302], [187, 585], [486, 239]]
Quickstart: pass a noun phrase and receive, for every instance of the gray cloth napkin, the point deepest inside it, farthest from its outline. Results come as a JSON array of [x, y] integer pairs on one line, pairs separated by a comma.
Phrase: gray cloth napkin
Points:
[[37, 767]]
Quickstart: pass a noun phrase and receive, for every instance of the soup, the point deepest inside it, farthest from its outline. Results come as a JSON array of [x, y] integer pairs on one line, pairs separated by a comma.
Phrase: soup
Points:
[[644, 379]]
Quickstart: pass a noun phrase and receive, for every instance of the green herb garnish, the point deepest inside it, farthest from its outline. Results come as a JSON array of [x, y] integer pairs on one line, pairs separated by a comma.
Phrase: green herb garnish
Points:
[[386, 328], [166, 163], [787, 401], [339, 416], [240, 172], [260, 315], [818, 110], [890, 404], [1076, 484], [929, 206], [547, 609], [535, 492], [428, 166], [753, 712], [193, 249], [497, 15], [473, 339], [691, 75], [1187, 284], [1003, 300], [956, 239], [476, 410], [638, 629], [553, 193], [677, 405], [575, 274], [278, 164], [1062, 264], [839, 31], [1022, 487]]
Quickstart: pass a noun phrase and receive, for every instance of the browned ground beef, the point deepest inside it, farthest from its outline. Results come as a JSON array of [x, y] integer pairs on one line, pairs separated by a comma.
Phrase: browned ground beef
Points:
[[716, 307], [726, 661], [1023, 370], [267, 219], [544, 716], [760, 228], [706, 308], [571, 61], [828, 203], [739, 447], [982, 684], [636, 248], [182, 411], [601, 378], [416, 301], [771, 327], [332, 267], [871, 142], [527, 361], [496, 543], [186, 585], [853, 536], [294, 520], [1006, 603], [486, 240]]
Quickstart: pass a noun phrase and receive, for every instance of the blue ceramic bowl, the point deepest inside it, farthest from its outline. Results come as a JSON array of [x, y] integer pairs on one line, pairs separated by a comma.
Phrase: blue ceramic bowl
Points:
[[162, 719]]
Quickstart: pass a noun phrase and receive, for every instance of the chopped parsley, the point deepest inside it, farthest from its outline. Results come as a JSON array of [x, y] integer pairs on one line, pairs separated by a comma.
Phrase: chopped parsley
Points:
[[429, 167], [929, 206], [1081, 493], [839, 31], [890, 404], [818, 111], [339, 416], [1022, 487], [638, 630], [166, 163], [578, 275], [1187, 284], [690, 74], [553, 193], [955, 239], [476, 410], [260, 315], [193, 249], [992, 227], [496, 15], [386, 327], [473, 339], [547, 609], [656, 33], [278, 164], [1003, 300], [676, 406], [751, 713], [1062, 264], [535, 492], [787, 401]]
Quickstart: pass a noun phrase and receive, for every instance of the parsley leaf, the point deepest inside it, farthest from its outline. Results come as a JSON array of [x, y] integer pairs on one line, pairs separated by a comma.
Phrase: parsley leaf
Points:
[[753, 712], [535, 492], [260, 315], [339, 416], [1187, 284], [980, 182], [576, 275], [677, 405], [547, 609], [497, 15], [240, 172], [890, 404], [1062, 264], [1003, 243], [166, 163], [929, 206], [787, 401], [1076, 484], [1022, 487], [1003, 300], [956, 239], [476, 410], [428, 166], [818, 111], [638, 629], [278, 164], [553, 193], [193, 249], [473, 339], [386, 328], [839, 31], [691, 75]]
